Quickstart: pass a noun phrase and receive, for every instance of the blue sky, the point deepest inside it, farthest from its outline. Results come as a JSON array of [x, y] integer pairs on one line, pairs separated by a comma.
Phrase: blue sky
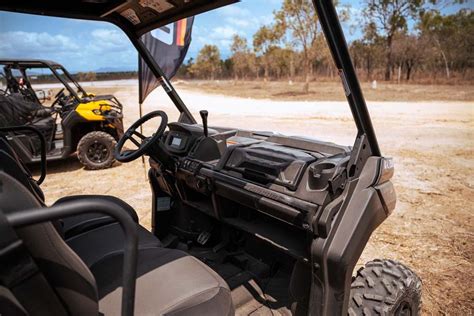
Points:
[[86, 45]]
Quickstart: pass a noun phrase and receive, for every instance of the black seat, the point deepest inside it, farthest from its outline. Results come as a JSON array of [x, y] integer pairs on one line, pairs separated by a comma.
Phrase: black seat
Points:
[[16, 111], [76, 225], [169, 282], [68, 227]]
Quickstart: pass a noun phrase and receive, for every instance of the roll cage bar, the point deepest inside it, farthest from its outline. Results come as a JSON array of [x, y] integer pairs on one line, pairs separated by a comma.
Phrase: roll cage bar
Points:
[[23, 64]]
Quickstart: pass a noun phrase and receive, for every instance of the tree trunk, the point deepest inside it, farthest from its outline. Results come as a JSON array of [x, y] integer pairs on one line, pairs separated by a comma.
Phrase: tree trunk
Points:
[[306, 73], [292, 68], [388, 60], [369, 69], [409, 68], [399, 77], [445, 60], [446, 64]]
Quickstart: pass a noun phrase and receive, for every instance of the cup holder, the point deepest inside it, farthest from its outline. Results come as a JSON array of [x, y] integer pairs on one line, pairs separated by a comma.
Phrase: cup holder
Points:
[[321, 174]]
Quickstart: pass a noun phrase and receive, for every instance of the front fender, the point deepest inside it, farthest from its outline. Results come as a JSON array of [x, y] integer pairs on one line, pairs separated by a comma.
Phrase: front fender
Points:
[[334, 257]]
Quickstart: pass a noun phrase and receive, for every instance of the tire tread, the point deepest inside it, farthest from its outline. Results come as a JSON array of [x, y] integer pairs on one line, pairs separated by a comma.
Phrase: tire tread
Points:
[[81, 150], [381, 285]]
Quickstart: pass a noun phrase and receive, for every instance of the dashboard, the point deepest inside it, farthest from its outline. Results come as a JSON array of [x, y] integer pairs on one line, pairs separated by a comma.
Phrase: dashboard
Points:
[[294, 170], [247, 179]]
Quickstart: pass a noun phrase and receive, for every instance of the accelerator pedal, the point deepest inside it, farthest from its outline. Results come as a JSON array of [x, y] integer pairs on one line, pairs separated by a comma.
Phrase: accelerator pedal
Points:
[[203, 238]]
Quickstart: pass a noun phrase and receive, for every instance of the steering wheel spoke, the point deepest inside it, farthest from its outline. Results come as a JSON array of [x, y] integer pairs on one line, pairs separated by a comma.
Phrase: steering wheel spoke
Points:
[[134, 141], [144, 143], [139, 134]]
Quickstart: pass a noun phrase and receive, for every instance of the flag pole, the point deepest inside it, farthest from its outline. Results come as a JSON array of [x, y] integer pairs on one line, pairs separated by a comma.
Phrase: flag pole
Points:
[[140, 108]]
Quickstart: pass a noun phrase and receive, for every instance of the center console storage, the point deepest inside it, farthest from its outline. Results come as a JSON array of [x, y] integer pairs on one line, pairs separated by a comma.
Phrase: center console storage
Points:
[[267, 163]]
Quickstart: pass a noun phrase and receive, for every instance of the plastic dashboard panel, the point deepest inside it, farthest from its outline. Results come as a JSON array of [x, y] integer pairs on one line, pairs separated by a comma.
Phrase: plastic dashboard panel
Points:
[[268, 163]]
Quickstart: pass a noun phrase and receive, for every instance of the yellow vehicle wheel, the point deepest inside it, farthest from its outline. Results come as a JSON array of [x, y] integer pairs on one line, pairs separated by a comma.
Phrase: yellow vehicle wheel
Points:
[[96, 150]]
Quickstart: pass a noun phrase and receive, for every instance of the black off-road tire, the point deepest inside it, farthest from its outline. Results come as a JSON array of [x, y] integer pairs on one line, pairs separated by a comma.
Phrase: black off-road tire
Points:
[[385, 287], [96, 150]]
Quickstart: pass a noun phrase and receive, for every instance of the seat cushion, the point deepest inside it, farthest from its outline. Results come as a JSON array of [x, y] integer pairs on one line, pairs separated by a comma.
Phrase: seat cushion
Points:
[[75, 225], [102, 242], [169, 282]]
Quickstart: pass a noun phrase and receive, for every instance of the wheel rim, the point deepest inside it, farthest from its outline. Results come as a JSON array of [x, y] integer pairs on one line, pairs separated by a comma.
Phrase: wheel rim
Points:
[[404, 310], [97, 152]]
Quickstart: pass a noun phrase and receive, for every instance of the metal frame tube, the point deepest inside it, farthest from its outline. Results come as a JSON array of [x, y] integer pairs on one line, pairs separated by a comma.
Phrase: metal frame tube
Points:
[[129, 227], [337, 44]]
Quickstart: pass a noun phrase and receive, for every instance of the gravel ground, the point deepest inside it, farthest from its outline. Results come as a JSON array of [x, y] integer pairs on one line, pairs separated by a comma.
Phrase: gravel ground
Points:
[[431, 229]]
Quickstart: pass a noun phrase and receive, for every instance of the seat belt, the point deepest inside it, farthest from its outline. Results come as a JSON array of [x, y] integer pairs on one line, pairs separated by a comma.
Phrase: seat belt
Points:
[[20, 274]]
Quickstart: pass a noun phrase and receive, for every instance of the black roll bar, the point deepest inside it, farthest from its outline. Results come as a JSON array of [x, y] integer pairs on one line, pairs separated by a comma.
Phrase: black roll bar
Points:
[[129, 227], [337, 44]]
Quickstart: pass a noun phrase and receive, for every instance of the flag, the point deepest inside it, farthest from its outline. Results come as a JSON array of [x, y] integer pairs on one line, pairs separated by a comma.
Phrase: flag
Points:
[[168, 45]]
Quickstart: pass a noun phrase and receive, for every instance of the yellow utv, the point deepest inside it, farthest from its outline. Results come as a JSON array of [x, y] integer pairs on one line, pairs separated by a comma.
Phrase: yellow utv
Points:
[[71, 121]]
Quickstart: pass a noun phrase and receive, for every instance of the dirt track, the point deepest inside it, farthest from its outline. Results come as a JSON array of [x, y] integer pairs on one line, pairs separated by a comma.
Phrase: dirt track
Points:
[[432, 228]]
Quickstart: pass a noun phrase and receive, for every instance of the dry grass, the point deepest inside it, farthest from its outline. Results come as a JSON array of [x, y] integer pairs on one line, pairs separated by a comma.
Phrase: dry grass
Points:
[[331, 91]]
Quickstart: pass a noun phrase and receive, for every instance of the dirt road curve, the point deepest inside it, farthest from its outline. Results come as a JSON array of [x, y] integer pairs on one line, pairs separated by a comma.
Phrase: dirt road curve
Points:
[[432, 228]]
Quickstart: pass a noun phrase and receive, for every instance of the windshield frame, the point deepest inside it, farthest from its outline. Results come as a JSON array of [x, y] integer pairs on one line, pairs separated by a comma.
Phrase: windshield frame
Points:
[[70, 79]]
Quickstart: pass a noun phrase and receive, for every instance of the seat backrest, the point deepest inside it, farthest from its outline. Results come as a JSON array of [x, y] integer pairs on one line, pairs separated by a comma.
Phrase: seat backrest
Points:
[[63, 269], [13, 166]]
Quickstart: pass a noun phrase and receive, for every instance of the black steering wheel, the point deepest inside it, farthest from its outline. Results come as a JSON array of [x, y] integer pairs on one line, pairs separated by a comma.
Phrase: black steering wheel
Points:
[[145, 142], [58, 97]]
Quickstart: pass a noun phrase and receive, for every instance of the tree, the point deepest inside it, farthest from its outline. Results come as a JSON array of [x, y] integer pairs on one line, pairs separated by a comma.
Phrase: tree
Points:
[[185, 69], [266, 38], [280, 61], [207, 62], [452, 35], [300, 18], [87, 76], [409, 51], [240, 56], [390, 17]]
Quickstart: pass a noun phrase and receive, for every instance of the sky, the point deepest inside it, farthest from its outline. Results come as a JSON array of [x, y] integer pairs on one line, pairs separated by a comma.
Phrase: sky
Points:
[[92, 46]]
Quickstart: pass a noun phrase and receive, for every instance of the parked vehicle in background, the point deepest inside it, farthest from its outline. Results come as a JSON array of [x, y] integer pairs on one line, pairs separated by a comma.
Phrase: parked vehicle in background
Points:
[[75, 120]]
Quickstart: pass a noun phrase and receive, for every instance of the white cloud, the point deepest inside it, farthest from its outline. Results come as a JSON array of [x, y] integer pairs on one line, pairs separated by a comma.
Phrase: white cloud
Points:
[[238, 22], [234, 11], [220, 36], [17, 43], [102, 48], [109, 38], [223, 32], [244, 18]]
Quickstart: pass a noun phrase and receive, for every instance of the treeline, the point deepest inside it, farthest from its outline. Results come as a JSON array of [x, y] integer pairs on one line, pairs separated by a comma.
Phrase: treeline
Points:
[[87, 76], [436, 46]]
